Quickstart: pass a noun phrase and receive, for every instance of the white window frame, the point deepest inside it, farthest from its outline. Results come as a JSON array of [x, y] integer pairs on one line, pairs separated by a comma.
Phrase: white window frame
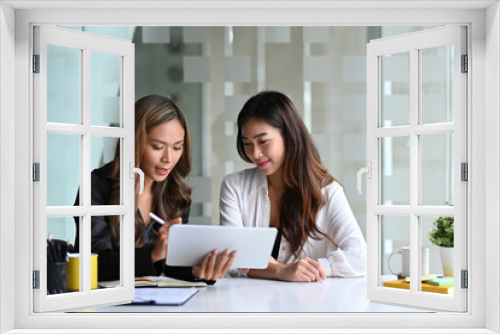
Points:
[[86, 44], [484, 103], [412, 44]]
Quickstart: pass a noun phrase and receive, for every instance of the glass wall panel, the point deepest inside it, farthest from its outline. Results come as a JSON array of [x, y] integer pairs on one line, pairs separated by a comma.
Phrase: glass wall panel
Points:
[[106, 89], [211, 71], [63, 84], [437, 169], [437, 84], [102, 152], [395, 181], [63, 169], [395, 90]]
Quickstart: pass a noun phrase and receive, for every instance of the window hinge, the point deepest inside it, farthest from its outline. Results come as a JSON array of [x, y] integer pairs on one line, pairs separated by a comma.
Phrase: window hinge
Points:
[[36, 279], [36, 172], [465, 64], [465, 279], [464, 172], [36, 63]]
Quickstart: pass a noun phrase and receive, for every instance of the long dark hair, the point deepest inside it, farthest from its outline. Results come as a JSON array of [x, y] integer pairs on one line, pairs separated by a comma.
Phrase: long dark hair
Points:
[[303, 173], [172, 196]]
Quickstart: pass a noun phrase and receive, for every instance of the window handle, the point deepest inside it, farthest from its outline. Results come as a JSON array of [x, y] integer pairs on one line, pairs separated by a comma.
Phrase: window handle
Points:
[[141, 176], [364, 170]]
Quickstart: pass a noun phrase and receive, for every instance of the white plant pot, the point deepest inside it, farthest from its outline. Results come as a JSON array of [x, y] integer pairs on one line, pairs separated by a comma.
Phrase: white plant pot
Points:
[[447, 260]]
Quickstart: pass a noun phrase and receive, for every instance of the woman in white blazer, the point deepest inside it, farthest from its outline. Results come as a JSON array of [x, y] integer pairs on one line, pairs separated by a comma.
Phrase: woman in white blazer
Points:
[[291, 190]]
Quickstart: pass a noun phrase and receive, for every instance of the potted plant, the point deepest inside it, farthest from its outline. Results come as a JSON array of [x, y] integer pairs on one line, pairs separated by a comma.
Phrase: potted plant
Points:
[[442, 235]]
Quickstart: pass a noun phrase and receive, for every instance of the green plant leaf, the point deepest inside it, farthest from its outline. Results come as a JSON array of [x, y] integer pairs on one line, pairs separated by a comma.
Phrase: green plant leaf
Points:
[[442, 233]]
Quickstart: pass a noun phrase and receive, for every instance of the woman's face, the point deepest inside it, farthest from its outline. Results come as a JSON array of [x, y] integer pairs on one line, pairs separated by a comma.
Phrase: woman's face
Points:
[[264, 145], [163, 149]]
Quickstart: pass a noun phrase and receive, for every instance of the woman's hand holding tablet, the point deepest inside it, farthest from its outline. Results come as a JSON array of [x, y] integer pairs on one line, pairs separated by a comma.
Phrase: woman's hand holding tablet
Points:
[[214, 267], [192, 245]]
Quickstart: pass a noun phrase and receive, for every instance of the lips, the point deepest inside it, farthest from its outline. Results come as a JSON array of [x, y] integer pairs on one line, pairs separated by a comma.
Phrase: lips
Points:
[[162, 171], [263, 164]]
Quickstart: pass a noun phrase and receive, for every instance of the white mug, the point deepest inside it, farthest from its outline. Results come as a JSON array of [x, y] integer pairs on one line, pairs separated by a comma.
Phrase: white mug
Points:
[[405, 258]]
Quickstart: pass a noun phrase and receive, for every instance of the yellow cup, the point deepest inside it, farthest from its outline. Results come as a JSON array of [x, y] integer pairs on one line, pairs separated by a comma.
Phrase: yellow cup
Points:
[[73, 272]]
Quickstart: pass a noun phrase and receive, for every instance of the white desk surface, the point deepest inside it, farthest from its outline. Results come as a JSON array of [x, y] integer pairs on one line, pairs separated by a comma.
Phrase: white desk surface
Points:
[[255, 295]]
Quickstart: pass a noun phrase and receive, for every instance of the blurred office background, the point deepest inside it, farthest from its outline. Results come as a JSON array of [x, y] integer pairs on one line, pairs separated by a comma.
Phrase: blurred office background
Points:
[[211, 72]]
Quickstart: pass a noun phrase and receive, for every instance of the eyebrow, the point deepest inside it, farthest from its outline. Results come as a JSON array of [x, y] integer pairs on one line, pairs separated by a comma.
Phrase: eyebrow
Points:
[[162, 142], [257, 135]]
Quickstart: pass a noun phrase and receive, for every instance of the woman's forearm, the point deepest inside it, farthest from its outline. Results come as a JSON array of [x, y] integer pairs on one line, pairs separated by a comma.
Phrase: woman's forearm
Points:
[[304, 270], [273, 270]]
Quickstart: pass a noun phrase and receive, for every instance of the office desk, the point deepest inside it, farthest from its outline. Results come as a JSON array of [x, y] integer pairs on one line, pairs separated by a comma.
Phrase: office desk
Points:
[[256, 295]]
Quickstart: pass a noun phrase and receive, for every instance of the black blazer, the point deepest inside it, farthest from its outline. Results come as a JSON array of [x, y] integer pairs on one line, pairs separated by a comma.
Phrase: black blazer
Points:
[[104, 244]]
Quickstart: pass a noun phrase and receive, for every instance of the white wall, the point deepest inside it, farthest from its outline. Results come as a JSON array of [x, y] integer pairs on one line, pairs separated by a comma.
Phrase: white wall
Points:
[[474, 320], [492, 163], [7, 170]]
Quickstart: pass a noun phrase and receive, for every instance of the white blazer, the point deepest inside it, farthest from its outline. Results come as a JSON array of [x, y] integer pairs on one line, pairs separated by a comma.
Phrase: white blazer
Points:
[[244, 201]]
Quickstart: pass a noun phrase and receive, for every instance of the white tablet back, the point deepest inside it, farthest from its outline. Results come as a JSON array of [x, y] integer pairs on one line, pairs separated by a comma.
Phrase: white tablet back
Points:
[[188, 244]]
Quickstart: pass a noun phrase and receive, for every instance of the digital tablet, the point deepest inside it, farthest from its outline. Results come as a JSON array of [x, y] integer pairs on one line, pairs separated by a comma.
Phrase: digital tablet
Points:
[[188, 244]]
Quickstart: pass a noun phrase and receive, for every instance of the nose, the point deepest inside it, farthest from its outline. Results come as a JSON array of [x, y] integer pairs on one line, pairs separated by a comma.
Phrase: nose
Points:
[[257, 152], [167, 155]]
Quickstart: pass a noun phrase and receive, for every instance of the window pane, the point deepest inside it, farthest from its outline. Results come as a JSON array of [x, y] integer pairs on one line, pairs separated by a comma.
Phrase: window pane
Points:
[[395, 162], [60, 242], [437, 84], [109, 237], [437, 169], [395, 241], [103, 152], [62, 228], [63, 169], [395, 90], [440, 258], [63, 84], [105, 89]]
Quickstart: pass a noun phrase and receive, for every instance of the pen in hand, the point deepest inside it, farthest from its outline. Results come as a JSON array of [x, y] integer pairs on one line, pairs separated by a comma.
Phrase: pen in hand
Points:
[[156, 218], [159, 252]]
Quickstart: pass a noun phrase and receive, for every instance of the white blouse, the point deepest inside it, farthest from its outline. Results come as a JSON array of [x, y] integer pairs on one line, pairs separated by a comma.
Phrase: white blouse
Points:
[[244, 201]]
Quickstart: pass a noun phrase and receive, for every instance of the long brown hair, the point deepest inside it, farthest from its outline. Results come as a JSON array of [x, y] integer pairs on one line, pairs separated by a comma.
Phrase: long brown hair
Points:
[[303, 173], [172, 196]]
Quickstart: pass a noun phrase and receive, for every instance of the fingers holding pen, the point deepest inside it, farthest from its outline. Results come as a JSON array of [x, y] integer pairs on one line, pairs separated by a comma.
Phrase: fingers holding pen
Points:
[[169, 223], [159, 252], [163, 231]]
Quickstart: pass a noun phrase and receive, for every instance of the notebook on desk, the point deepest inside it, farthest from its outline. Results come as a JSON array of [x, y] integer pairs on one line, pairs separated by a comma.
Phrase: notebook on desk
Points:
[[166, 296], [155, 281]]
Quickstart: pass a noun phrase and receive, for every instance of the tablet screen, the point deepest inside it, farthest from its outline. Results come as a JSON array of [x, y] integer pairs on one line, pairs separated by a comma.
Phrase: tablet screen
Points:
[[188, 244]]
